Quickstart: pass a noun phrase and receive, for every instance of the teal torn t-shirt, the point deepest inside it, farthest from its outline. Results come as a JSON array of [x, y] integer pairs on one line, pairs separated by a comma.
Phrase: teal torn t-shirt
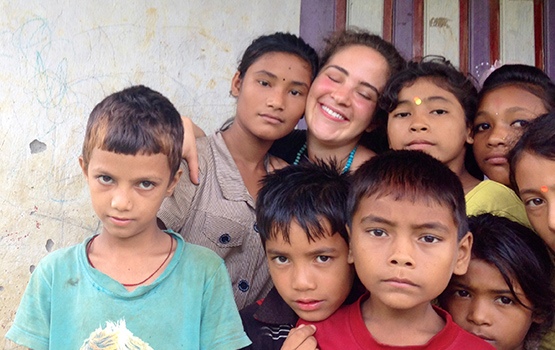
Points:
[[189, 306]]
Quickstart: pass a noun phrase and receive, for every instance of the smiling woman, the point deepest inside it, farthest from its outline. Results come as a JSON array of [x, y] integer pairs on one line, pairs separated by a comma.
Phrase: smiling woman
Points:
[[343, 101]]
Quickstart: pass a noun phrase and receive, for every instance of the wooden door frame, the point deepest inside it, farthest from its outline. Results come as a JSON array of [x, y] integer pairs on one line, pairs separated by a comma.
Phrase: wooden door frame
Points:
[[479, 29]]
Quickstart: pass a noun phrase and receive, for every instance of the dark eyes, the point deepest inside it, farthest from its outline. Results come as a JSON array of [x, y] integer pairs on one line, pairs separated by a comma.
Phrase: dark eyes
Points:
[[504, 300], [429, 239], [439, 111], [146, 185], [481, 127], [520, 123], [462, 293], [280, 260], [377, 232], [400, 114], [104, 179], [534, 202], [263, 83]]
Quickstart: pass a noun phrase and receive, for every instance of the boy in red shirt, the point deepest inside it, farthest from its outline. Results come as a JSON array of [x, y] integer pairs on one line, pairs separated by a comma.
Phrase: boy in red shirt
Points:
[[408, 235]]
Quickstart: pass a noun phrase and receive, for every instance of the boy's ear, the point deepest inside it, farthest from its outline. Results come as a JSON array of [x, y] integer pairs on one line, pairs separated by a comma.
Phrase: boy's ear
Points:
[[83, 166], [236, 85], [463, 254], [173, 182]]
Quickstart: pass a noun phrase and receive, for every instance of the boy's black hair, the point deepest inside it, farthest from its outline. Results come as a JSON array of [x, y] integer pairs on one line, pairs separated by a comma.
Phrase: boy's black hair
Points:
[[521, 256], [312, 195], [136, 120], [525, 77], [409, 175], [278, 42], [538, 138]]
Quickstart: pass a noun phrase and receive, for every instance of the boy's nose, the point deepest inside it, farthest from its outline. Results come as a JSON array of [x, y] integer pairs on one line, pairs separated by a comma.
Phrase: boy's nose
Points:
[[402, 254], [402, 260], [121, 200], [302, 279]]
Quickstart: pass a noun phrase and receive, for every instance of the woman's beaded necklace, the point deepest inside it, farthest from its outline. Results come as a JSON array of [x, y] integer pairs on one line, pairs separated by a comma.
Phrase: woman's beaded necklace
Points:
[[345, 168]]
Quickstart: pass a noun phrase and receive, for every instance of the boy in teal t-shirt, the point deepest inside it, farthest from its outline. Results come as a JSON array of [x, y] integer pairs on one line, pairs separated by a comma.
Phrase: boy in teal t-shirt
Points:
[[132, 281]]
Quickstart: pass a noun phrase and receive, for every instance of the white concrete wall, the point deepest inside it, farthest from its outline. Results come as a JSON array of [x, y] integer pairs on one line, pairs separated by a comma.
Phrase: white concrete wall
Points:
[[59, 58], [442, 25], [517, 31], [367, 14], [441, 29]]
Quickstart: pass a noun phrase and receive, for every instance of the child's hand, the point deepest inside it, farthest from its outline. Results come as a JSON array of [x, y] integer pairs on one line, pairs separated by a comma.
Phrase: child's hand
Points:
[[189, 151], [301, 338]]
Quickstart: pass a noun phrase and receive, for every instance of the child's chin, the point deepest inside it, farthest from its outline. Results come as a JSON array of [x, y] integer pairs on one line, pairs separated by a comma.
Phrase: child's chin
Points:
[[313, 316]]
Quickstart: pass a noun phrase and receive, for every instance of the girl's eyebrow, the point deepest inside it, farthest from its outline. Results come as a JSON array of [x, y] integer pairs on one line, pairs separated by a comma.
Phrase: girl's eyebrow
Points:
[[429, 99], [514, 109], [273, 76], [458, 284], [529, 191], [438, 98], [501, 291], [265, 72]]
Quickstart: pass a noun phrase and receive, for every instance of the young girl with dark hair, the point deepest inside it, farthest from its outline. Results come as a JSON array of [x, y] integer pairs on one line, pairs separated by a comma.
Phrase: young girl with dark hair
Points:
[[511, 97], [430, 107], [506, 297], [341, 106], [532, 165], [271, 86]]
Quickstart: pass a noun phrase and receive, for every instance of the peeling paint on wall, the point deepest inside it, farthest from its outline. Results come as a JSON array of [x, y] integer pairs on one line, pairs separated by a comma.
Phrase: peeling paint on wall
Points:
[[36, 146]]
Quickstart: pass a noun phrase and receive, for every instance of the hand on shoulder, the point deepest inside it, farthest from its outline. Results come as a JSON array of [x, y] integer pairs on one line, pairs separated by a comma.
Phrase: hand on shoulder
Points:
[[189, 147]]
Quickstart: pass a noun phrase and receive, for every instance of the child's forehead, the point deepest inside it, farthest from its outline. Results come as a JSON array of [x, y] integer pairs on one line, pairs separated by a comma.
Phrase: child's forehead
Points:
[[484, 275], [298, 232], [532, 156], [102, 151], [426, 85], [392, 206], [117, 161]]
